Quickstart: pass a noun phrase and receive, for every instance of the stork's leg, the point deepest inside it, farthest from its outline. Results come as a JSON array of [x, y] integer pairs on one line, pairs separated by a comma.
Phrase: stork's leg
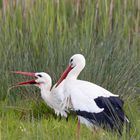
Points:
[[78, 127]]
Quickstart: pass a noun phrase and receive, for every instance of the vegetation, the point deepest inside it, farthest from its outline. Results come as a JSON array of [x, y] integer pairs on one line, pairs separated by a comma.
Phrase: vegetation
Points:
[[41, 35]]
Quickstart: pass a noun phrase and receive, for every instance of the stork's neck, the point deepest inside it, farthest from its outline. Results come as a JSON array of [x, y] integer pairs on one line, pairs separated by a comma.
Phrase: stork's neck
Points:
[[74, 73], [45, 89]]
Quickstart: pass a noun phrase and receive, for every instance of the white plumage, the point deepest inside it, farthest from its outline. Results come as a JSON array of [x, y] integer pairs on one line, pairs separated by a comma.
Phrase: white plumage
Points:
[[54, 97], [93, 104]]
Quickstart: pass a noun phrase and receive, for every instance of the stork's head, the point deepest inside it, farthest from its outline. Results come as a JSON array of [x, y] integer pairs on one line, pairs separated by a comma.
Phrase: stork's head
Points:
[[77, 60], [76, 64], [40, 79]]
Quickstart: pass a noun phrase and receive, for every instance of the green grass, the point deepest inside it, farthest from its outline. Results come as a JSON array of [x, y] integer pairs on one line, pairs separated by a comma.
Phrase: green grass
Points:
[[42, 36], [18, 122]]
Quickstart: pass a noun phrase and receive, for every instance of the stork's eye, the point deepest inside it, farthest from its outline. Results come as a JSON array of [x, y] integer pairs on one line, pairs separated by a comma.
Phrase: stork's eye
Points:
[[71, 60], [39, 75]]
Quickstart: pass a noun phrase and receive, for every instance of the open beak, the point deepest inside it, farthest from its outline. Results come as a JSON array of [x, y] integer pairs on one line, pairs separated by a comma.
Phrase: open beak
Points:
[[31, 74], [64, 75]]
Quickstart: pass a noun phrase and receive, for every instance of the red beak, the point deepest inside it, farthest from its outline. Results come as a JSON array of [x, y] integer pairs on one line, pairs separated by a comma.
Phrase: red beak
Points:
[[30, 82], [64, 75], [26, 74]]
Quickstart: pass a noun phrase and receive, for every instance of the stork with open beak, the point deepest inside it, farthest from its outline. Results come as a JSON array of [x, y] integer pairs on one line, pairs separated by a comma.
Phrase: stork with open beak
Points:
[[94, 105], [54, 97]]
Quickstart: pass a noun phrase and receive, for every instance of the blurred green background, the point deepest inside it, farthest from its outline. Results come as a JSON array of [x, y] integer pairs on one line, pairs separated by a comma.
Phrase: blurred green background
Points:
[[41, 35]]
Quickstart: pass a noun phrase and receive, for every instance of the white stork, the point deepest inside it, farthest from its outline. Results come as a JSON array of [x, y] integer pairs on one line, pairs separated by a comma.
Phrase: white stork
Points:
[[94, 105], [54, 97]]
